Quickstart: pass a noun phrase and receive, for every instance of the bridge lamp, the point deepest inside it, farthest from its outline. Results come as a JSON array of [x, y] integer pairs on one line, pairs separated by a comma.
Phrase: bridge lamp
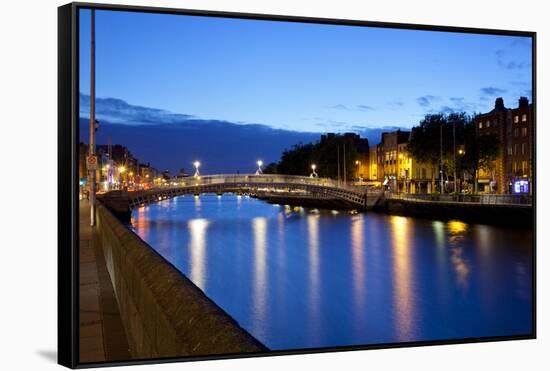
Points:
[[313, 172], [259, 163], [197, 164]]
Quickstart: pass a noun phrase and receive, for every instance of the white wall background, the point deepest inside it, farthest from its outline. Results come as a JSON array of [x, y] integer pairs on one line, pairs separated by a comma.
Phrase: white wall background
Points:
[[28, 125]]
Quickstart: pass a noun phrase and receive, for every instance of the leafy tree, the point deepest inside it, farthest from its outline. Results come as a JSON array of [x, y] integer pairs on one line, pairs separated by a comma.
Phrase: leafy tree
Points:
[[271, 168], [424, 144], [326, 155]]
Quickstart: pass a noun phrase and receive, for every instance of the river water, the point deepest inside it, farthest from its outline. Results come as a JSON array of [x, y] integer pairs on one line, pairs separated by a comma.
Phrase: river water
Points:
[[298, 278]]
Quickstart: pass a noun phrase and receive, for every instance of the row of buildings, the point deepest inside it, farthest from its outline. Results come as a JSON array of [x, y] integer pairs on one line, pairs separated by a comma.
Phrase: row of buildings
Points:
[[390, 164], [118, 168]]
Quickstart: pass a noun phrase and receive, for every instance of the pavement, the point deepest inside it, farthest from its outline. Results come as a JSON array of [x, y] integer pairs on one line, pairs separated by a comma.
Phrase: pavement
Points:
[[102, 336]]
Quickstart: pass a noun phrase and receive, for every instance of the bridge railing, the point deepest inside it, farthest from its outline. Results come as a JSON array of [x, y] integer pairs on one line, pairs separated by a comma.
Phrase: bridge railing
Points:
[[263, 179]]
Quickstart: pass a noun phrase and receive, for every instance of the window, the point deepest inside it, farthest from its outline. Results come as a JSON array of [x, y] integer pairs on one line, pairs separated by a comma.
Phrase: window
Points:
[[510, 150], [487, 124], [515, 167], [516, 132], [524, 117], [522, 148], [480, 125], [524, 167], [515, 149], [523, 132], [516, 119]]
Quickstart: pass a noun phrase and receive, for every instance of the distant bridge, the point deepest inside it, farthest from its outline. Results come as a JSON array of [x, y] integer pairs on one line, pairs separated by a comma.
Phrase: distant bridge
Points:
[[122, 202]]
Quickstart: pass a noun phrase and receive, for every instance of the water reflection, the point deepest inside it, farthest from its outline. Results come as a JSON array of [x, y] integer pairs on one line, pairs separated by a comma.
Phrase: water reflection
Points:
[[457, 231], [197, 246], [314, 276], [358, 263], [402, 238], [259, 228]]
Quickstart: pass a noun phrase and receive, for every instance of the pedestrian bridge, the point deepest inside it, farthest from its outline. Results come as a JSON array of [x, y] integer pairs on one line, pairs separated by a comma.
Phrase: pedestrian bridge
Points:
[[360, 198]]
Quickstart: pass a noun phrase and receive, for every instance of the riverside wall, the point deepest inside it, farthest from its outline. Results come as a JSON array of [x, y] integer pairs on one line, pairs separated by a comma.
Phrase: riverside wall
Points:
[[508, 215], [164, 314]]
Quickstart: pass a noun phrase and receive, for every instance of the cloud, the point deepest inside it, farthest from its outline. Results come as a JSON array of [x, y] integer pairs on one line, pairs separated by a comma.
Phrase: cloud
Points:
[[360, 107], [426, 100], [339, 106], [505, 61], [120, 112], [493, 91]]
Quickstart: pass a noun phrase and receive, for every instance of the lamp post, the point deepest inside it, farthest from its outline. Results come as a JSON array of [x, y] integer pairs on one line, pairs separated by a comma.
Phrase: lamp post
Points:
[[121, 170], [259, 163], [197, 164], [313, 173]]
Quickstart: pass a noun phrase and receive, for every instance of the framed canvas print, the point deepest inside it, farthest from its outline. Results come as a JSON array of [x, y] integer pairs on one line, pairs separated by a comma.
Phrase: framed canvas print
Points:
[[237, 185]]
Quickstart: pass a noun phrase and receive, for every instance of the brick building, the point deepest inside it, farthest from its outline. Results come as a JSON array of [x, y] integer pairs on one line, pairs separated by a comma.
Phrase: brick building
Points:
[[511, 172]]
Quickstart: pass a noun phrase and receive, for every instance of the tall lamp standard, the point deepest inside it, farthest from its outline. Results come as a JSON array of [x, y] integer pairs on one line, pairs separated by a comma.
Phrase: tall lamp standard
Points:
[[259, 171], [313, 173], [197, 164]]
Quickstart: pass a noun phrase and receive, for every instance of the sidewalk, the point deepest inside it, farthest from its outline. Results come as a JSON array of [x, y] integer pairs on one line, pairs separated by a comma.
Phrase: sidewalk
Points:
[[102, 337]]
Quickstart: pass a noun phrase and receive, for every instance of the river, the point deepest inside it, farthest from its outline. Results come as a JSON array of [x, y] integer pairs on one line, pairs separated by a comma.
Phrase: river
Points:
[[297, 278]]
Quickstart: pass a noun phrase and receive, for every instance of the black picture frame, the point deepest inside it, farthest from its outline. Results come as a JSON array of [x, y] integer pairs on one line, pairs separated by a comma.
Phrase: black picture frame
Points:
[[68, 134]]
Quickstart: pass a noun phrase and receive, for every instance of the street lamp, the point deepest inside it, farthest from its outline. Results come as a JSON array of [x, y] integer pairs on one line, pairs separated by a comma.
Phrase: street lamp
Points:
[[197, 164], [259, 163], [313, 173]]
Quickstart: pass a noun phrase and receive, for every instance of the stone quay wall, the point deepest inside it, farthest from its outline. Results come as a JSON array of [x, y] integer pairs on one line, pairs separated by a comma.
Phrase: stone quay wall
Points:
[[164, 314]]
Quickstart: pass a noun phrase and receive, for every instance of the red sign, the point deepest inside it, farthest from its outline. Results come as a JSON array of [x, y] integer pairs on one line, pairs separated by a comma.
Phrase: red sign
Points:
[[91, 162]]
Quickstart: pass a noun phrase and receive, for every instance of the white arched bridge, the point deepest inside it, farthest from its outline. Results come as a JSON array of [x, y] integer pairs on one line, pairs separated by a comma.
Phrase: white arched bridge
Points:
[[296, 187]]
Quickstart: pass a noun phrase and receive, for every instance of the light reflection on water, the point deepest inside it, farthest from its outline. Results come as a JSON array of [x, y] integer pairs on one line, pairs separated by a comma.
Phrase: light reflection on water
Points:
[[302, 278]]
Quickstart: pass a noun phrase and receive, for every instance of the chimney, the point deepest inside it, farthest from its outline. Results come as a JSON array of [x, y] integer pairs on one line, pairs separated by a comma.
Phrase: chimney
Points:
[[499, 104], [523, 102]]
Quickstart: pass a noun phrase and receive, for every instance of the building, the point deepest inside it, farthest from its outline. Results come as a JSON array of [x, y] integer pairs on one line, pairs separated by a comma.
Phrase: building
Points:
[[391, 165], [511, 172]]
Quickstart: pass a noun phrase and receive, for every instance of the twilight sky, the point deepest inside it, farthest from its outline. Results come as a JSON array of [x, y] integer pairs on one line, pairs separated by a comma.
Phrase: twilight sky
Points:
[[301, 77]]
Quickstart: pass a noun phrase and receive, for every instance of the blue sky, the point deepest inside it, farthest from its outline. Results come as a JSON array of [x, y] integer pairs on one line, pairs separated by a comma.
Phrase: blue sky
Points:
[[302, 77]]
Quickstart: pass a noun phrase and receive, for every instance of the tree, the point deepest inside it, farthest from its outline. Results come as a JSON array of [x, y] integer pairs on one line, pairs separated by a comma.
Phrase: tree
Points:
[[424, 144], [271, 168], [435, 140], [326, 155], [481, 151]]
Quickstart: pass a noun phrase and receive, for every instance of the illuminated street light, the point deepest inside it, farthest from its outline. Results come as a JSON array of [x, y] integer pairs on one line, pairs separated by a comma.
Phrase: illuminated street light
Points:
[[461, 152], [121, 169], [259, 171], [313, 173], [197, 164]]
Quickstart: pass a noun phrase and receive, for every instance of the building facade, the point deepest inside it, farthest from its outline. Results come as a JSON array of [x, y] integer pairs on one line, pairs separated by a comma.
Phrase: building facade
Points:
[[392, 166], [511, 172]]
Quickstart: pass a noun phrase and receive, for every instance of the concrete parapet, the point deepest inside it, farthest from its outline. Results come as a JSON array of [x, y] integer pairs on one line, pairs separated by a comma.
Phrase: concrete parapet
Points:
[[163, 312]]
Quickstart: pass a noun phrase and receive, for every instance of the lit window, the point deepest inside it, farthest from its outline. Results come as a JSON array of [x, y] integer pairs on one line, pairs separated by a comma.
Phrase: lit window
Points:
[[524, 167], [481, 125], [509, 150], [524, 117], [487, 124], [516, 119]]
